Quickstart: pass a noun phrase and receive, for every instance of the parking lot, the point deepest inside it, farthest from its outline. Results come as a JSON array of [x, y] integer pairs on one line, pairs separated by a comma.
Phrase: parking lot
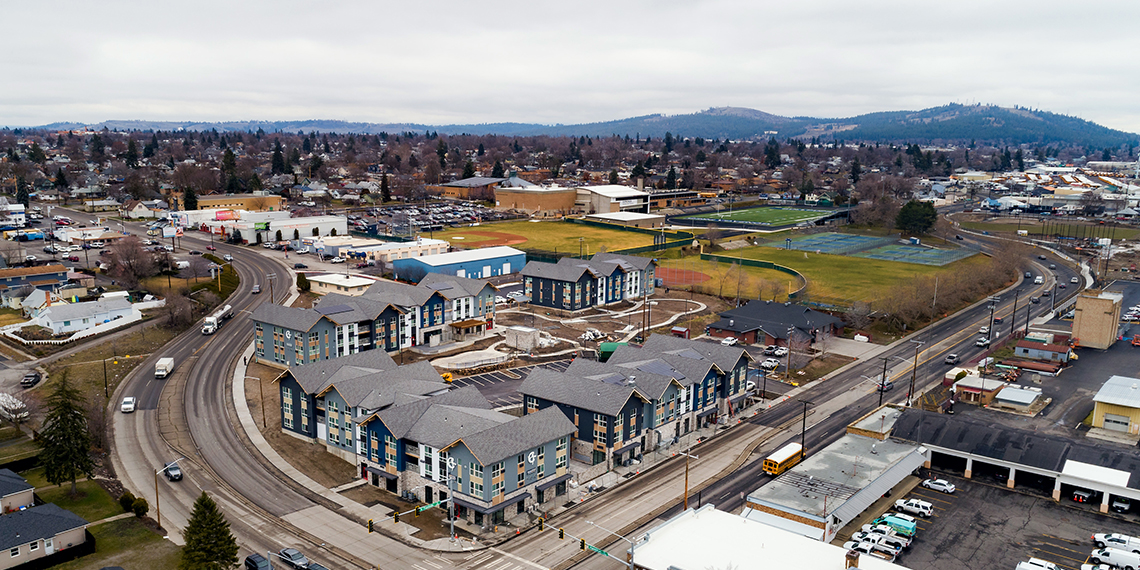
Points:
[[501, 386], [989, 526]]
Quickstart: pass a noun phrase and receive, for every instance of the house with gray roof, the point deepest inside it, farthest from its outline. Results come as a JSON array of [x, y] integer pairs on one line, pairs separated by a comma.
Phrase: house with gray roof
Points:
[[37, 532], [577, 284], [453, 445], [765, 322], [66, 318], [15, 492], [291, 336]]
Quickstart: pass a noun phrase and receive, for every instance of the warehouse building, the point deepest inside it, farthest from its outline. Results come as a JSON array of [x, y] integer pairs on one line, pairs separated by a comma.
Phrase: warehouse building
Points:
[[1117, 405], [538, 201], [470, 263], [1096, 318], [611, 198]]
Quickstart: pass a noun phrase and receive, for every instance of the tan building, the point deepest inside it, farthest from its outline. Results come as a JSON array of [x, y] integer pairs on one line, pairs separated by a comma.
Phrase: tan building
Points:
[[351, 285], [39, 531], [1117, 405], [539, 201], [15, 492], [477, 188], [249, 202], [1097, 318]]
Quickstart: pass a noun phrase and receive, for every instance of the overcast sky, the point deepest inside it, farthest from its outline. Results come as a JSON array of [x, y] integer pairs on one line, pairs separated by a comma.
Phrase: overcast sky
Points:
[[560, 62]]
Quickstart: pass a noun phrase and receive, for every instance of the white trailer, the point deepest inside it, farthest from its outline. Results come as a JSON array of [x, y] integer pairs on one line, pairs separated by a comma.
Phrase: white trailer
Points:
[[212, 323], [163, 367]]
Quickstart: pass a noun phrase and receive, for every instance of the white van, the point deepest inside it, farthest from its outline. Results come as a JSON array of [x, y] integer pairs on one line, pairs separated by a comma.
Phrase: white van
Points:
[[1038, 280], [1115, 557], [182, 264], [1036, 564]]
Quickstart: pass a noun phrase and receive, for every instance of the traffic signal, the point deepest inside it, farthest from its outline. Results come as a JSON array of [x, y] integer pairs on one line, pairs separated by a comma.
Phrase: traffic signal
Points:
[[582, 543], [561, 534], [396, 517], [370, 526], [541, 524]]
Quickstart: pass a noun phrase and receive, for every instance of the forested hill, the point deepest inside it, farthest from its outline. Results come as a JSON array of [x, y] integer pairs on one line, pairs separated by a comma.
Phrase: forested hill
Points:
[[948, 124]]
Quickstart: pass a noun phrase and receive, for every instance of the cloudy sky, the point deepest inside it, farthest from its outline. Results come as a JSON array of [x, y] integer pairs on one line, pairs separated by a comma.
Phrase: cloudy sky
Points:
[[566, 62]]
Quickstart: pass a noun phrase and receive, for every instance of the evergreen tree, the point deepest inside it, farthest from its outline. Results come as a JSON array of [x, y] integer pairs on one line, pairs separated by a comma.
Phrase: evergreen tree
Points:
[[61, 179], [671, 178], [209, 543], [303, 283], [385, 192], [638, 171], [701, 156], [613, 176], [856, 170], [97, 148], [278, 161], [37, 154], [772, 154], [497, 170], [255, 184], [229, 162], [916, 217], [132, 155], [668, 142], [22, 194], [189, 199], [468, 170], [65, 441], [306, 145], [481, 150]]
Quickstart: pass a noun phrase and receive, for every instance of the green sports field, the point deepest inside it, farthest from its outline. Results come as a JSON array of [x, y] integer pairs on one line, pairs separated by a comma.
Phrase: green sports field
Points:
[[769, 216]]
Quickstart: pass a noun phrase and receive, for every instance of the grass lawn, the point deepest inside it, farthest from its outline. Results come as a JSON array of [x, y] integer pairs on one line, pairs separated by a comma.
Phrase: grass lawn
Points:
[[856, 278], [130, 544], [774, 283], [775, 216], [92, 503], [549, 236], [21, 449], [11, 317], [85, 368]]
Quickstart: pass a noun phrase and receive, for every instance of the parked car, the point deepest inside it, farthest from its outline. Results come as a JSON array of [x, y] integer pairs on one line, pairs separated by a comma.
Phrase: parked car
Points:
[[939, 485], [728, 341], [500, 300], [770, 350], [73, 258], [780, 351], [1084, 495], [256, 561], [915, 506], [1120, 504], [173, 472], [128, 405], [1117, 540], [300, 266], [294, 558], [1036, 564], [1115, 557], [337, 259], [30, 379], [303, 250]]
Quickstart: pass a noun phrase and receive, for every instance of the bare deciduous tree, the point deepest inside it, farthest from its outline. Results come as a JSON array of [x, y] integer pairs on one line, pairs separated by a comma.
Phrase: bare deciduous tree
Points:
[[130, 263]]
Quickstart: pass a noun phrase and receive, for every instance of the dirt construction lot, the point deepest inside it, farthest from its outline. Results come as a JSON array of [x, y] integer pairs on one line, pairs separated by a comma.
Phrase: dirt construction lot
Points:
[[987, 526]]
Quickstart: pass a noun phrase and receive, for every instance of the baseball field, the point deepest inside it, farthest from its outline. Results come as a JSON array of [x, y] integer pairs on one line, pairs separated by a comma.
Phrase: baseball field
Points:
[[544, 235], [769, 216]]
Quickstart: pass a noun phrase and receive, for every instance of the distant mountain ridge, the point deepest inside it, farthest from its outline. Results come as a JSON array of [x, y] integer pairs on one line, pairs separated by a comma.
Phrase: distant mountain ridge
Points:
[[952, 123]]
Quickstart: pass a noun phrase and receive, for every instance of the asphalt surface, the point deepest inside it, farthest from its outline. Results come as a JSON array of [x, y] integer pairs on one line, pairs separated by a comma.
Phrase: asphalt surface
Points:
[[501, 386]]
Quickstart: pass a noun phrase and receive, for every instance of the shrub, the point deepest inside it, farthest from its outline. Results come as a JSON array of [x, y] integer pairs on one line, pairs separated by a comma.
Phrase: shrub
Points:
[[140, 507], [127, 501]]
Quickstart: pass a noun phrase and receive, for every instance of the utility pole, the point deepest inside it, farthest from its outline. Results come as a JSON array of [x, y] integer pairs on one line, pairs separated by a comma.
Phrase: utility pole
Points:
[[803, 430], [883, 380], [1013, 319], [914, 371]]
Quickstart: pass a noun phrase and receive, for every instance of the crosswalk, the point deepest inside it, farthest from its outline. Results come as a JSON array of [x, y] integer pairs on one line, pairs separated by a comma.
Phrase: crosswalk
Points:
[[490, 559]]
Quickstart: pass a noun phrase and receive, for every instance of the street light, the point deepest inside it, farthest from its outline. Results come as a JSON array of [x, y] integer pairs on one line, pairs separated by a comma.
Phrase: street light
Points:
[[632, 544], [803, 431], [157, 505]]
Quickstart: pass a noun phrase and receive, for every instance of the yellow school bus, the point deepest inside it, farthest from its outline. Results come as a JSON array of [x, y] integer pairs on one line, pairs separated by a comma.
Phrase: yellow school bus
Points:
[[783, 459]]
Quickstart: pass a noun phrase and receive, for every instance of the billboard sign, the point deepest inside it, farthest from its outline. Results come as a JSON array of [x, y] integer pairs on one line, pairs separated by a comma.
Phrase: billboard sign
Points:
[[168, 232], [261, 226], [223, 215]]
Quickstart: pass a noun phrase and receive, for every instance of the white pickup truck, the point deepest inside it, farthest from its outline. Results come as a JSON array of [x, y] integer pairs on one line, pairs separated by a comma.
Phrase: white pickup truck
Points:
[[870, 548], [915, 507], [1117, 540]]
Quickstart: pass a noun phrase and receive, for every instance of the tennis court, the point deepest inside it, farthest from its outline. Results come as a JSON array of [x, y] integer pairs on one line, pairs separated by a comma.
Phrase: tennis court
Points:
[[833, 243], [763, 216], [916, 254]]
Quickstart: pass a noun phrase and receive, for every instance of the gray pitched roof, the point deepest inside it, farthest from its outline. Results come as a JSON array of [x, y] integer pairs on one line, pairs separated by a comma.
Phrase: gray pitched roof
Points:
[[400, 294], [651, 377], [294, 318], [400, 419], [555, 271], [773, 318], [316, 376], [597, 267], [463, 286], [474, 182], [11, 483], [440, 425], [36, 523], [344, 309], [592, 394], [691, 365], [518, 435], [725, 357], [637, 261]]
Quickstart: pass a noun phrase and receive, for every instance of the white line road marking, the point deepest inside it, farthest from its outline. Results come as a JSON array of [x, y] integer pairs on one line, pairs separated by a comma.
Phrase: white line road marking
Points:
[[523, 560], [432, 564]]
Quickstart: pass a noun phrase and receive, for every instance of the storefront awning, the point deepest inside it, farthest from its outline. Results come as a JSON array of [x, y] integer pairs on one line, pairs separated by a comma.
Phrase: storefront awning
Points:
[[381, 472], [548, 484], [492, 508], [627, 447], [468, 324]]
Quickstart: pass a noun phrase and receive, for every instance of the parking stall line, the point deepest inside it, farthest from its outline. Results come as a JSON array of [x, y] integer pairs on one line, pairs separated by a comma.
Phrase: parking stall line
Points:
[[1051, 556]]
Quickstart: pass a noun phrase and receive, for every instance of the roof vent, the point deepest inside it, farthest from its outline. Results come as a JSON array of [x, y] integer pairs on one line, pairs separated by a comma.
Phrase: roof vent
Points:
[[787, 303], [731, 322]]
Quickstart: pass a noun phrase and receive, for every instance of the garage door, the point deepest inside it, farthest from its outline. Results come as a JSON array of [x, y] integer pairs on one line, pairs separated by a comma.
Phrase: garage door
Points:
[[1116, 423]]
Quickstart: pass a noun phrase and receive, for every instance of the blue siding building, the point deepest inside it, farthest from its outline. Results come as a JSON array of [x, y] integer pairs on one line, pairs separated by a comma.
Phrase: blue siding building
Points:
[[471, 263], [577, 284]]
